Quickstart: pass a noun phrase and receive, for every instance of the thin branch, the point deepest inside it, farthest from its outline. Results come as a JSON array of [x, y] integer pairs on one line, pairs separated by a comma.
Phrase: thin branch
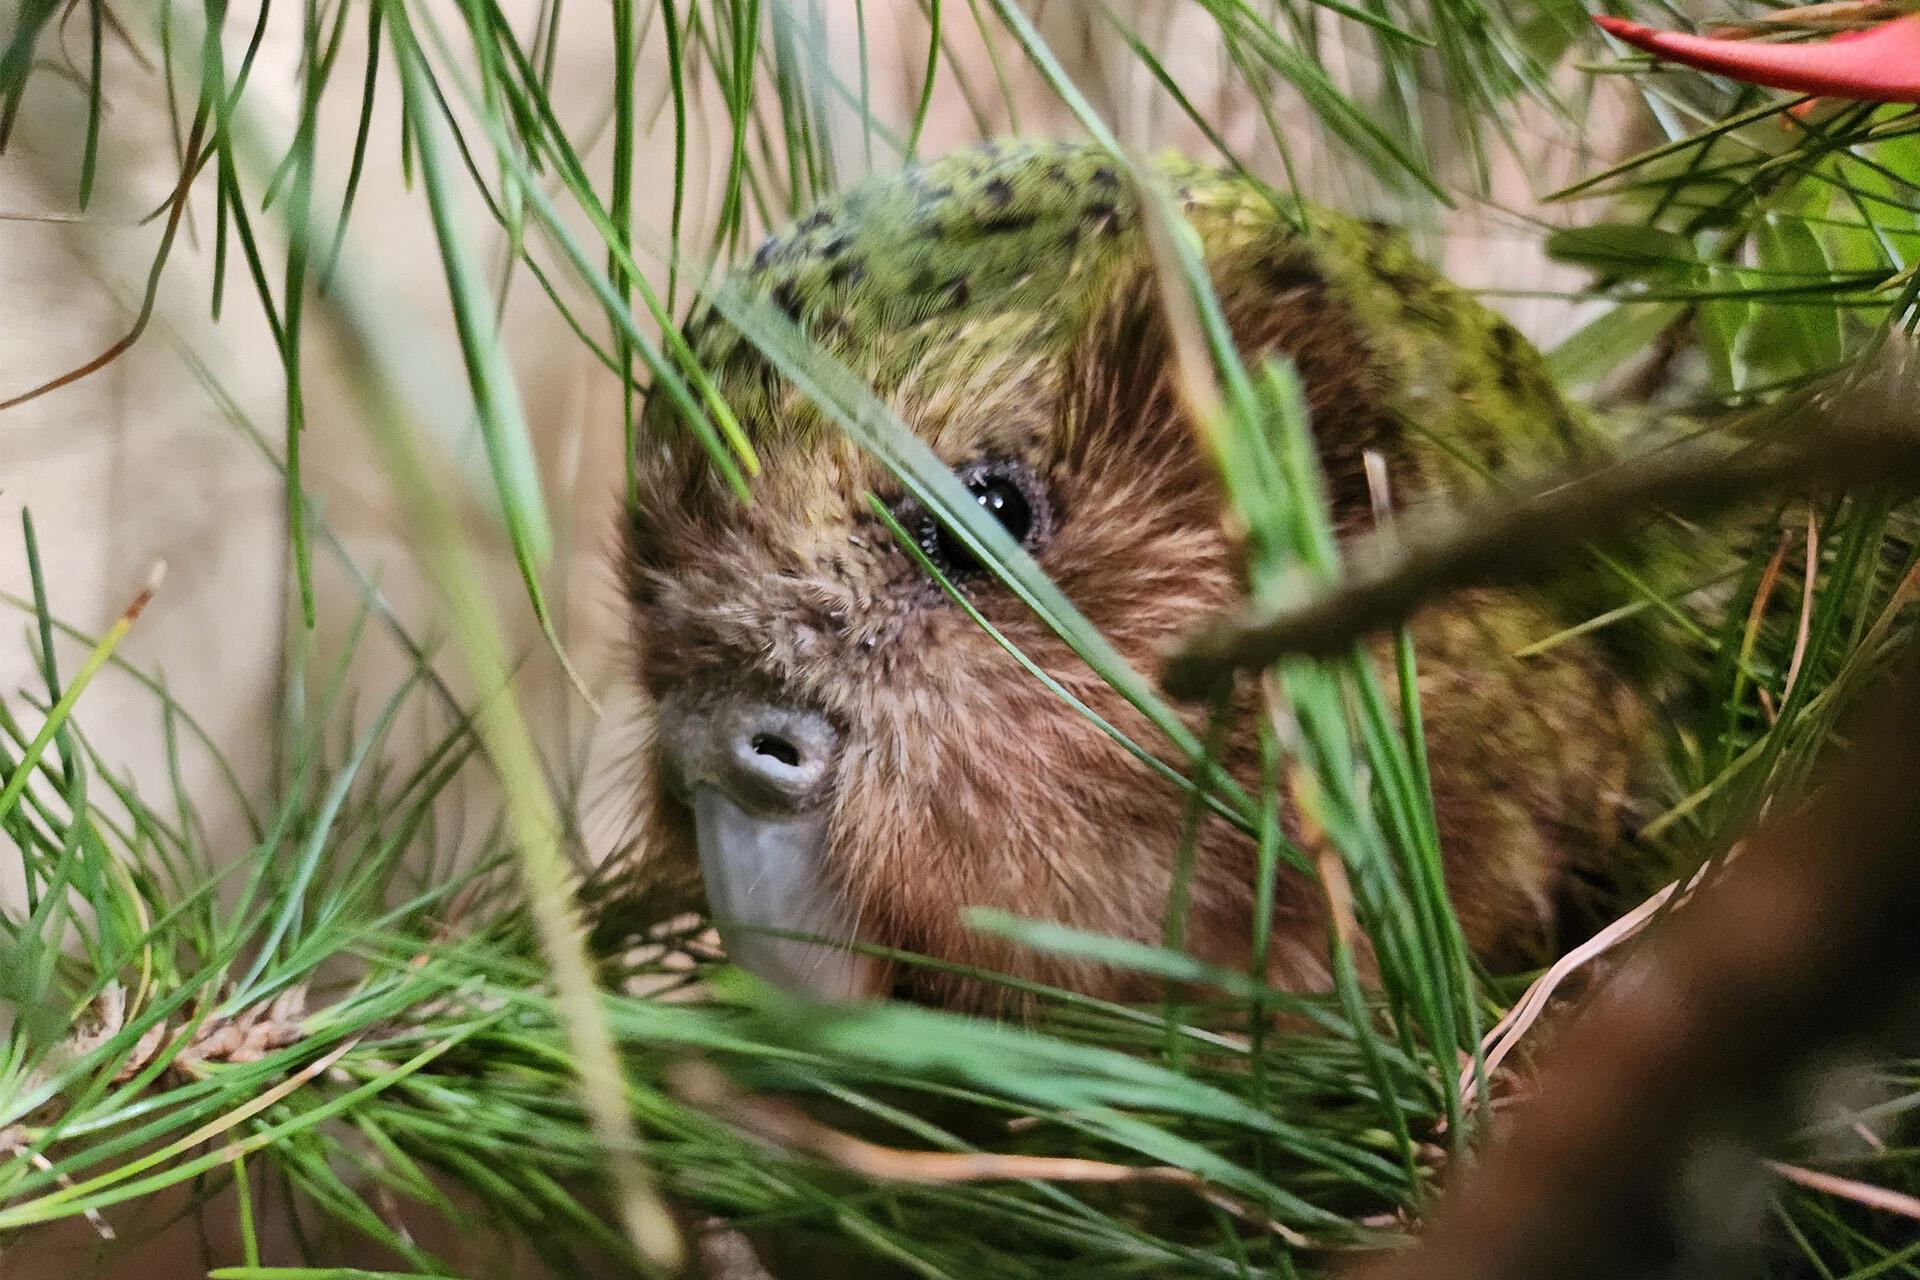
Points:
[[1519, 538]]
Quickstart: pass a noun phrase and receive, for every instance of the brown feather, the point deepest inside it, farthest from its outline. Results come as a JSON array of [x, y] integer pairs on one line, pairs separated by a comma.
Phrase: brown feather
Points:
[[963, 781]]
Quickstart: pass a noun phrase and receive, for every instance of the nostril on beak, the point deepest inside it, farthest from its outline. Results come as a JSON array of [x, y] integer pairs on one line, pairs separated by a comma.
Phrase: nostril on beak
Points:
[[779, 748], [779, 759], [771, 759]]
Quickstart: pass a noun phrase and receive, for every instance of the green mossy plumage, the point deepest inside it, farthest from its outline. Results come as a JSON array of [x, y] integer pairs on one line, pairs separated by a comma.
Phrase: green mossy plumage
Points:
[[955, 272], [1020, 245]]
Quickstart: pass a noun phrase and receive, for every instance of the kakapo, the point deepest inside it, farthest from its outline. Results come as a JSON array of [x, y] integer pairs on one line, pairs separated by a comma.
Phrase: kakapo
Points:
[[843, 752]]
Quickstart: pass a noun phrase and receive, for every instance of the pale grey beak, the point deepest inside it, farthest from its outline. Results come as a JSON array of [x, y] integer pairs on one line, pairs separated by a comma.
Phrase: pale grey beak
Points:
[[766, 873], [759, 777]]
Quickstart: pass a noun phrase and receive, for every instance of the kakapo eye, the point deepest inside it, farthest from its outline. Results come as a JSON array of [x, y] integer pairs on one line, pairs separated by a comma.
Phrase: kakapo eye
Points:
[[1007, 491]]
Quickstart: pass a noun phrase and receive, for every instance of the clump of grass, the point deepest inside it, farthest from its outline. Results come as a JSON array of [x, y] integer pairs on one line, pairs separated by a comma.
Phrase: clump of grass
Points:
[[369, 1009]]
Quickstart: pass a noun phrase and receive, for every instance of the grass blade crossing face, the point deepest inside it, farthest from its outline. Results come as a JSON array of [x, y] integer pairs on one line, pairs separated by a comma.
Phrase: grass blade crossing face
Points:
[[1002, 306]]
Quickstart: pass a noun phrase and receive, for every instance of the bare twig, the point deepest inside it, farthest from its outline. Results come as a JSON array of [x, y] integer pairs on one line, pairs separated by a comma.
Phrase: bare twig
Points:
[[1521, 537]]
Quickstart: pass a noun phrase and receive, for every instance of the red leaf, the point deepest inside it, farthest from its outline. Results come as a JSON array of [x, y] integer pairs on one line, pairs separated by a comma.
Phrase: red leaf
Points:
[[1881, 64]]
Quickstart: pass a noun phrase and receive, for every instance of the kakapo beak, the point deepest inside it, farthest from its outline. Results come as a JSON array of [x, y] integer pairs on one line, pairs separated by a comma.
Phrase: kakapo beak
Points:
[[1880, 64], [766, 873]]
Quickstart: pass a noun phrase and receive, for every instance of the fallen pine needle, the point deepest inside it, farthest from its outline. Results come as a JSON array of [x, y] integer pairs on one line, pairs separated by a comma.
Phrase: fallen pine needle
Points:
[[1847, 1189], [787, 1127], [1506, 1034]]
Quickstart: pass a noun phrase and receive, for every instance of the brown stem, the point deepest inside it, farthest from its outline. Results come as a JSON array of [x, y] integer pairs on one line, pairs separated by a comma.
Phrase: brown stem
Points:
[[1518, 538]]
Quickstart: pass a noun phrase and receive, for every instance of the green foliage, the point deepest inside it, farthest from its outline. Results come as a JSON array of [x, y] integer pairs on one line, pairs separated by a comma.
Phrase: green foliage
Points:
[[367, 1008]]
